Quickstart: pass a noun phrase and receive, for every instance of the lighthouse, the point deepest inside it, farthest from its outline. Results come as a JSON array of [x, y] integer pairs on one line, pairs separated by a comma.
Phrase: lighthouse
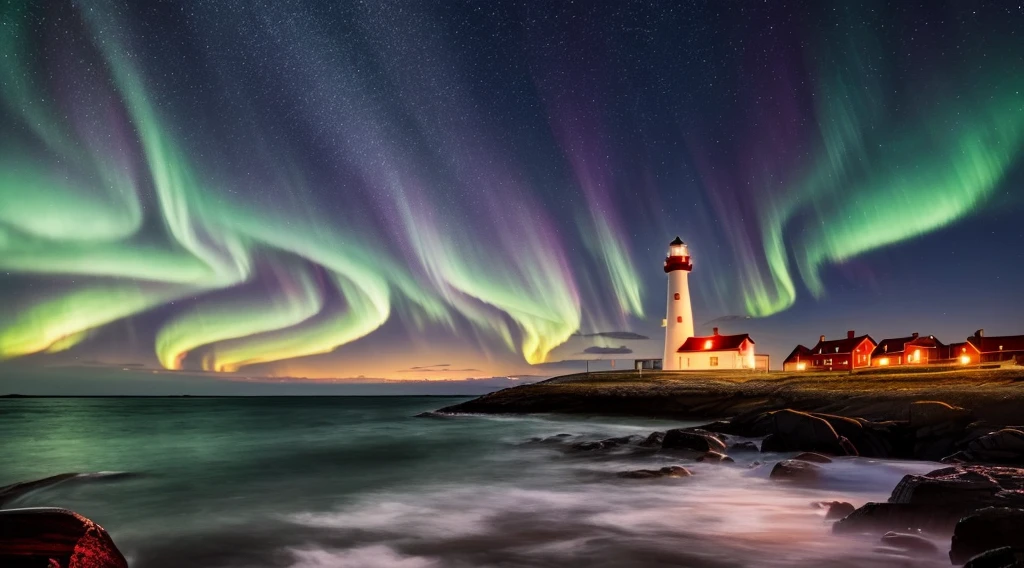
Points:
[[678, 315]]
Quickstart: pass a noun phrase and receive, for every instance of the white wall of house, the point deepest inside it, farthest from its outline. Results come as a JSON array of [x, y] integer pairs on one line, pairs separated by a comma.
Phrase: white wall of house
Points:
[[712, 360]]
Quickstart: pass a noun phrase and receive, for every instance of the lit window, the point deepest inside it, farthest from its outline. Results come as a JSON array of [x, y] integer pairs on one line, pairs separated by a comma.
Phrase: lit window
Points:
[[679, 319], [677, 295], [714, 361], [801, 366], [883, 361], [965, 359], [917, 355], [828, 361], [707, 344]]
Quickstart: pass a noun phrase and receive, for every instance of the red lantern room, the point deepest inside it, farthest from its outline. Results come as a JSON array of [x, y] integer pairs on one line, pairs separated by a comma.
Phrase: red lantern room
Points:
[[678, 256]]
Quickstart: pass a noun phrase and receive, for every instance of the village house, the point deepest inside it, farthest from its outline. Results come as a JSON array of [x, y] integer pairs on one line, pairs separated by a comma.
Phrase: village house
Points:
[[797, 360], [717, 352], [853, 352], [982, 349], [912, 350]]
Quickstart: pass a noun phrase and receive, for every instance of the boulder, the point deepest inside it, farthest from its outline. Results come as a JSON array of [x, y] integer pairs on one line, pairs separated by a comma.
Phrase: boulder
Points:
[[812, 457], [1006, 557], [909, 542], [967, 487], [792, 470], [693, 441], [667, 471], [654, 440], [1005, 446], [799, 431], [924, 413], [898, 517], [743, 447], [715, 457], [837, 510], [986, 529], [56, 538], [871, 439]]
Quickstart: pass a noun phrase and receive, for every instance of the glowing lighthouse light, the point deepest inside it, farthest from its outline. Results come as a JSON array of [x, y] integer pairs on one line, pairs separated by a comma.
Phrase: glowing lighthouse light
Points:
[[678, 314]]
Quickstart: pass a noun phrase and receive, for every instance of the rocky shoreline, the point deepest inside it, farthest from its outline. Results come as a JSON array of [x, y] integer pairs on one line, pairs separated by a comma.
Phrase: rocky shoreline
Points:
[[977, 501]]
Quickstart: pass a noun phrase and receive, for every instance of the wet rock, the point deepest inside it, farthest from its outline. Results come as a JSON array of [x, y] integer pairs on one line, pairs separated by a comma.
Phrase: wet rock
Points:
[[693, 441], [837, 510], [969, 487], [799, 431], [909, 542], [715, 457], [667, 471], [1005, 446], [11, 492], [871, 439], [924, 413], [899, 517], [654, 440], [743, 447], [986, 529], [812, 457], [1006, 557], [55, 538], [792, 470]]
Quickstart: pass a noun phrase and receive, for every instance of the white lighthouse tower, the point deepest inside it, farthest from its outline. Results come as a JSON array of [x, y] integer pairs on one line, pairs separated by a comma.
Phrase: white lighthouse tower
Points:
[[678, 315]]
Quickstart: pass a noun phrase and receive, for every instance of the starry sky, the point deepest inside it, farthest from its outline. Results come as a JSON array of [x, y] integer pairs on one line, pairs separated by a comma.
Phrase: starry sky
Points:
[[416, 189]]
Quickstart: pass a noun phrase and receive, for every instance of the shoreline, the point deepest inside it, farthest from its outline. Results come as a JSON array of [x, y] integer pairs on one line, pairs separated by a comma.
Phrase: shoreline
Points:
[[994, 395]]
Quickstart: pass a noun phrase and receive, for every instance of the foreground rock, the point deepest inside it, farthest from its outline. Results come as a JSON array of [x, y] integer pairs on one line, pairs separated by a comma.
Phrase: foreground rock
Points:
[[837, 510], [984, 530], [692, 441], [909, 542], [1005, 446], [668, 471], [56, 538], [792, 470], [799, 431], [1007, 557], [934, 502]]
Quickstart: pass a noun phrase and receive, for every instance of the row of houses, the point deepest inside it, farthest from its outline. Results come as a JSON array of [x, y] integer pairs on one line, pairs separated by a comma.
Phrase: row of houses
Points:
[[859, 351]]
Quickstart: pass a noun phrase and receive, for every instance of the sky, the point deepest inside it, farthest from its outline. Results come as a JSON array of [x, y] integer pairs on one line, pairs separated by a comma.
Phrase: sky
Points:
[[411, 190]]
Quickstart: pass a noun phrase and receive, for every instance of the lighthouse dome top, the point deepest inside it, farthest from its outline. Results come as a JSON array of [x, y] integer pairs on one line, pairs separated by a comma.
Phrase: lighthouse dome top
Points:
[[678, 248]]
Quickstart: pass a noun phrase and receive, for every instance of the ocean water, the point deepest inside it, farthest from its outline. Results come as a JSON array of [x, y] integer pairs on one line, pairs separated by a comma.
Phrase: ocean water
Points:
[[361, 482]]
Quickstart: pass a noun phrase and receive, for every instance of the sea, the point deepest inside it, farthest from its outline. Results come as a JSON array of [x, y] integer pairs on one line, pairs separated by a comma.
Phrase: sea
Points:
[[317, 482]]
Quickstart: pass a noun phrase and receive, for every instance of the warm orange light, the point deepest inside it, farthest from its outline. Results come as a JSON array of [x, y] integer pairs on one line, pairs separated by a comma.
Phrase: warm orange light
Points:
[[917, 355], [801, 366], [883, 361], [965, 359], [707, 344]]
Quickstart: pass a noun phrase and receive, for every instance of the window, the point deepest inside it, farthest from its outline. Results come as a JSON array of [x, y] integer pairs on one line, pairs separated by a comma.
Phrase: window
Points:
[[714, 361], [828, 361], [677, 295], [679, 319]]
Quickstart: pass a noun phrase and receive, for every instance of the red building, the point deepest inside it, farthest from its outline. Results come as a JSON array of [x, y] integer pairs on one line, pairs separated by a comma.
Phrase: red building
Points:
[[798, 360], [913, 350], [993, 349], [853, 352], [717, 352]]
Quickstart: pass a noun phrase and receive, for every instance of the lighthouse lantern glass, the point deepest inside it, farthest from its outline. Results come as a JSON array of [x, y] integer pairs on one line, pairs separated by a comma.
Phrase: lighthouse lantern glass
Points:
[[677, 250]]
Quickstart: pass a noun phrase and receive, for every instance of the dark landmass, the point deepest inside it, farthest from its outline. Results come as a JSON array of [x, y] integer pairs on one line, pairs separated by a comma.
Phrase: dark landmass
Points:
[[994, 395]]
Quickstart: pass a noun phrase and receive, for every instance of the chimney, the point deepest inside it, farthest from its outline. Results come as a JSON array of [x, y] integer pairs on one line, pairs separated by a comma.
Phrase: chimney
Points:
[[980, 333], [821, 339], [914, 335], [715, 330], [849, 334]]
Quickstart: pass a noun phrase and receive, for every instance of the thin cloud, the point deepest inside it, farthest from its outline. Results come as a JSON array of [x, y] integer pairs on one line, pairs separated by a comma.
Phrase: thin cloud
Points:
[[627, 335], [595, 350]]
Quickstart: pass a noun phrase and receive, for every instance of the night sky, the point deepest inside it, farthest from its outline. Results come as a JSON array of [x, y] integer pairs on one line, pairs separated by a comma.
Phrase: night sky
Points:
[[419, 189]]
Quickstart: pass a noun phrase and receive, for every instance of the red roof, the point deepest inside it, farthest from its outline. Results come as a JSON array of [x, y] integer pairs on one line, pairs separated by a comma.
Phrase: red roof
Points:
[[718, 343], [845, 345], [898, 344], [996, 344], [799, 351]]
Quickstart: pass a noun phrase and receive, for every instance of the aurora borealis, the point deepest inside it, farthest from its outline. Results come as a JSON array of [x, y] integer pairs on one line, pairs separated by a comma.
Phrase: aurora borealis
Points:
[[337, 189]]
